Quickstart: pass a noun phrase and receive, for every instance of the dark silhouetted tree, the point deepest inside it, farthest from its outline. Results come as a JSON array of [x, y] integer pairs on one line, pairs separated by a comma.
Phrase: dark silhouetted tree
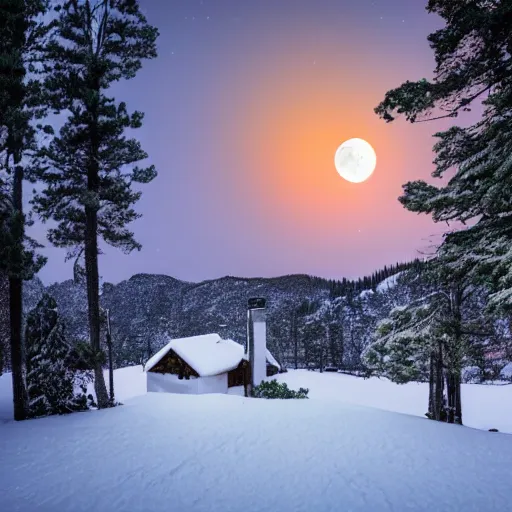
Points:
[[90, 168]]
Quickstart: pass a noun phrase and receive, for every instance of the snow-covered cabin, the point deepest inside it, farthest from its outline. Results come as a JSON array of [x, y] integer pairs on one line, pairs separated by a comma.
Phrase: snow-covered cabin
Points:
[[201, 364]]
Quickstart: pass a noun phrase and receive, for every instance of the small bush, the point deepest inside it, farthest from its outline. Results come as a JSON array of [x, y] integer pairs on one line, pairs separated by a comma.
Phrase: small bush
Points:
[[274, 389]]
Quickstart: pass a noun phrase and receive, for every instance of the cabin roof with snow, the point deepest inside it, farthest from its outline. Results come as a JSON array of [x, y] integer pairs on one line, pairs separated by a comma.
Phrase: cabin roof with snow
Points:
[[271, 360], [207, 354]]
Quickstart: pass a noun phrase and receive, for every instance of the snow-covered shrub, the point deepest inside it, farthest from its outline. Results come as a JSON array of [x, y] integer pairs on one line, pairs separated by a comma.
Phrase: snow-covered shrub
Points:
[[81, 360], [506, 372], [274, 389], [50, 380], [472, 375]]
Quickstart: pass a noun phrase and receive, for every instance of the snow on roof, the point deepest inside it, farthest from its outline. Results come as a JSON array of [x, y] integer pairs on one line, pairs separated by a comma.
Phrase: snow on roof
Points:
[[207, 354], [271, 359], [156, 358]]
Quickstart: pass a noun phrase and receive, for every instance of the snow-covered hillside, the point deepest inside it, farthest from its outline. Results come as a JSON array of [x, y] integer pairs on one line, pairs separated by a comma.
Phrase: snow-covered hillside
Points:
[[388, 283], [482, 404], [229, 453]]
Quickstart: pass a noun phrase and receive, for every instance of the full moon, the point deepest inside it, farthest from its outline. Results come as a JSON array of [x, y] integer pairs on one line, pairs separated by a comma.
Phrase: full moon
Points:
[[355, 160]]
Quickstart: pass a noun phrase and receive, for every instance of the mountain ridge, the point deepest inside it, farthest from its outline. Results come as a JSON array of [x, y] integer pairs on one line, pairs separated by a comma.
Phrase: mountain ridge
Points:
[[147, 309]]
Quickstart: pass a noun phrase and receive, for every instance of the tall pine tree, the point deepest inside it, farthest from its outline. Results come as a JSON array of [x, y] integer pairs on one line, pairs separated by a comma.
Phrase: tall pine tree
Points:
[[90, 168], [473, 60], [22, 32]]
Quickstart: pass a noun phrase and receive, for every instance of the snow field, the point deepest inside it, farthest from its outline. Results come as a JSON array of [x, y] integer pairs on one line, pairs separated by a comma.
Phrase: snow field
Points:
[[217, 452]]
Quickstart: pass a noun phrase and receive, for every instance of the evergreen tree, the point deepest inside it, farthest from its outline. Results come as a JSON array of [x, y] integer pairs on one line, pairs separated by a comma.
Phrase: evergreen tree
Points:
[[472, 54], [21, 35], [49, 380], [431, 338], [335, 340], [90, 168], [356, 328]]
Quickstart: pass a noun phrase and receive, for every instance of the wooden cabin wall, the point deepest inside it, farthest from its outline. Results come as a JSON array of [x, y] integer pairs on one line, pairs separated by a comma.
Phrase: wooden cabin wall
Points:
[[236, 376], [173, 364], [272, 370]]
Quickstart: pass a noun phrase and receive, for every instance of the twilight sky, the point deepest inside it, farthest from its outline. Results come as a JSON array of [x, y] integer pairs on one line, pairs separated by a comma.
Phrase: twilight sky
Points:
[[245, 107]]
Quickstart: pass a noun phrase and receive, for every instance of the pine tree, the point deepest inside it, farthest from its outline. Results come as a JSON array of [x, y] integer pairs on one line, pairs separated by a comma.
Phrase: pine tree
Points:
[[21, 34], [90, 168], [335, 340], [49, 380], [408, 347], [473, 62], [432, 338]]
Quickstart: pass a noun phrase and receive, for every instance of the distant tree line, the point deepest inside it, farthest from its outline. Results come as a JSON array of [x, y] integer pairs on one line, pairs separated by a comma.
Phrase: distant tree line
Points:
[[351, 287]]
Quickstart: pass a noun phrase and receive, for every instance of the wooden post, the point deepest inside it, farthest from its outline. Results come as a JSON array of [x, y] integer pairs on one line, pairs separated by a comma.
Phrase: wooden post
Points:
[[110, 362], [245, 369]]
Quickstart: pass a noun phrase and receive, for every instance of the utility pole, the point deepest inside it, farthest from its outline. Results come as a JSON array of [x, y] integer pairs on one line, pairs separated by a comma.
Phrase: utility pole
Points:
[[110, 362]]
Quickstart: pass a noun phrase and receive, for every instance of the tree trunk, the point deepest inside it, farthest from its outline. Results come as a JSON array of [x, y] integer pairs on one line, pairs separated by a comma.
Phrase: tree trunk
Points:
[[458, 401], [19, 389], [5, 324], [454, 401], [91, 241], [93, 301], [454, 398], [150, 351], [295, 342], [439, 384], [431, 387], [110, 361], [450, 392], [341, 348]]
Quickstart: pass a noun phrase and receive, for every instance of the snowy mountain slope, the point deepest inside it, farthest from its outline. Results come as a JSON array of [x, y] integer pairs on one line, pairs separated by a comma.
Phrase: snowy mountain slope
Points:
[[310, 321], [388, 283], [146, 308], [218, 452]]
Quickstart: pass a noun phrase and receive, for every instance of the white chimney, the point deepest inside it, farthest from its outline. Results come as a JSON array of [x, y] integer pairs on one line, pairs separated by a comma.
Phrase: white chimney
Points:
[[257, 339]]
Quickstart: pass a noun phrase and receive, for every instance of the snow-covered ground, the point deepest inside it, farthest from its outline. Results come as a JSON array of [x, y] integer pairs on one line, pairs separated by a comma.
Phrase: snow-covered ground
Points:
[[483, 406], [229, 453]]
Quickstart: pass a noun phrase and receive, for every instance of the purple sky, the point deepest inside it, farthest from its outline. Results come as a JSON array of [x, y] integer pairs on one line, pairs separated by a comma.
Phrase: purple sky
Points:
[[245, 106]]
